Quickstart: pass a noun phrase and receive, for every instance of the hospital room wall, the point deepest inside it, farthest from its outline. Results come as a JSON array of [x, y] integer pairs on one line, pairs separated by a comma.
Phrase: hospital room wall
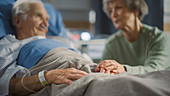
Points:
[[166, 16], [75, 12]]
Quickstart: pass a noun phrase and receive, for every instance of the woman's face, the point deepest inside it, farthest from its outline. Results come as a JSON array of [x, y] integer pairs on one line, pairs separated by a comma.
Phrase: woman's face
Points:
[[121, 16]]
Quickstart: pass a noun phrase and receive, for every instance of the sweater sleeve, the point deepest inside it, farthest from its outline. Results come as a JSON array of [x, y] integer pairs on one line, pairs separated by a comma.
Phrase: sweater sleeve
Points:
[[107, 53], [157, 57]]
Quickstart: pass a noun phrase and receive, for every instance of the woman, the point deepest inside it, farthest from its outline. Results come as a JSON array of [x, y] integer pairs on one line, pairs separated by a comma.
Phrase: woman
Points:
[[136, 48]]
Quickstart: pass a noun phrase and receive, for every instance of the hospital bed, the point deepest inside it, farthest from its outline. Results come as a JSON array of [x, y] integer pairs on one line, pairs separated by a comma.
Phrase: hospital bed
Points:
[[94, 84]]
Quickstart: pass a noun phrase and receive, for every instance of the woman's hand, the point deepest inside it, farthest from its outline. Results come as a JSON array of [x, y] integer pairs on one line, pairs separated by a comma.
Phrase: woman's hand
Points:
[[110, 67], [64, 76]]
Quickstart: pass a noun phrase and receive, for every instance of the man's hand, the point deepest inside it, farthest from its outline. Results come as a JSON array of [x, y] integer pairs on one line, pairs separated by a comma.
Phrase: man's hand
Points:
[[63, 76], [57, 76], [110, 67]]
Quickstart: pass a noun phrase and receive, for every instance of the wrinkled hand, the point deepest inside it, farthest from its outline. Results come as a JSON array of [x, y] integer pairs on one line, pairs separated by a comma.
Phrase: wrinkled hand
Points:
[[64, 76], [110, 67]]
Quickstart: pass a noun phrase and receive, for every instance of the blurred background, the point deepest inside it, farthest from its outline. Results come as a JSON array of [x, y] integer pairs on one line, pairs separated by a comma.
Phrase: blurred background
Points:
[[86, 21]]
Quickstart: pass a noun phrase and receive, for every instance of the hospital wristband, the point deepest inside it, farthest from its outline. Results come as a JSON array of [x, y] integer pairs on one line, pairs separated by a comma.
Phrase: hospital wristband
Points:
[[42, 78]]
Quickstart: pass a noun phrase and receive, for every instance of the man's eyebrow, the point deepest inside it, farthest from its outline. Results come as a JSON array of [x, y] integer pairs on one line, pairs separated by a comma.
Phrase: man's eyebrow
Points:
[[39, 12]]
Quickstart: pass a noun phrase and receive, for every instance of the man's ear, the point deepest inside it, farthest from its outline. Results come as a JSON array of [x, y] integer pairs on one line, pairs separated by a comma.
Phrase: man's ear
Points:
[[18, 20]]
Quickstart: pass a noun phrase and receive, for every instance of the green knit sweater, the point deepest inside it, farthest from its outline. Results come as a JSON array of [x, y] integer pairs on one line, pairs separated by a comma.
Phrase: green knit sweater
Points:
[[148, 53]]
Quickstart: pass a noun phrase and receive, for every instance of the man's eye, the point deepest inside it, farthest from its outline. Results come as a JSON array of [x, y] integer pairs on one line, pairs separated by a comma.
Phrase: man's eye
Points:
[[38, 16]]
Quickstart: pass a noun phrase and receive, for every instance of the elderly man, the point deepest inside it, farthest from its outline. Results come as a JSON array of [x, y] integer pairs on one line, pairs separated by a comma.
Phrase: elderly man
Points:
[[30, 51]]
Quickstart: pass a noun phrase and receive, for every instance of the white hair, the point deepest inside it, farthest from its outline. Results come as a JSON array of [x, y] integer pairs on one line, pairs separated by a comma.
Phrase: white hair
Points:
[[134, 5], [21, 6]]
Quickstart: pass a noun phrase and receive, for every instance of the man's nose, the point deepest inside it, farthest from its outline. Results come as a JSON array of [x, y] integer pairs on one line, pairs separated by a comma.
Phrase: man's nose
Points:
[[45, 24]]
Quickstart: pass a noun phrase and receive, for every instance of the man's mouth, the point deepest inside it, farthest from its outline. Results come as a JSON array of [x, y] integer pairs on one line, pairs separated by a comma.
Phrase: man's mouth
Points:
[[41, 29]]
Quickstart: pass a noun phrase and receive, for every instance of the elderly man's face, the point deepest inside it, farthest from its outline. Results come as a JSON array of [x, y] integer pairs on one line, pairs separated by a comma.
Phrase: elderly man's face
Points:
[[36, 22]]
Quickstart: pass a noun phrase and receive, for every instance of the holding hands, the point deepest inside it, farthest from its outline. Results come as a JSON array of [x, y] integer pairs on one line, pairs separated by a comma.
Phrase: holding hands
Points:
[[67, 76], [110, 67]]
